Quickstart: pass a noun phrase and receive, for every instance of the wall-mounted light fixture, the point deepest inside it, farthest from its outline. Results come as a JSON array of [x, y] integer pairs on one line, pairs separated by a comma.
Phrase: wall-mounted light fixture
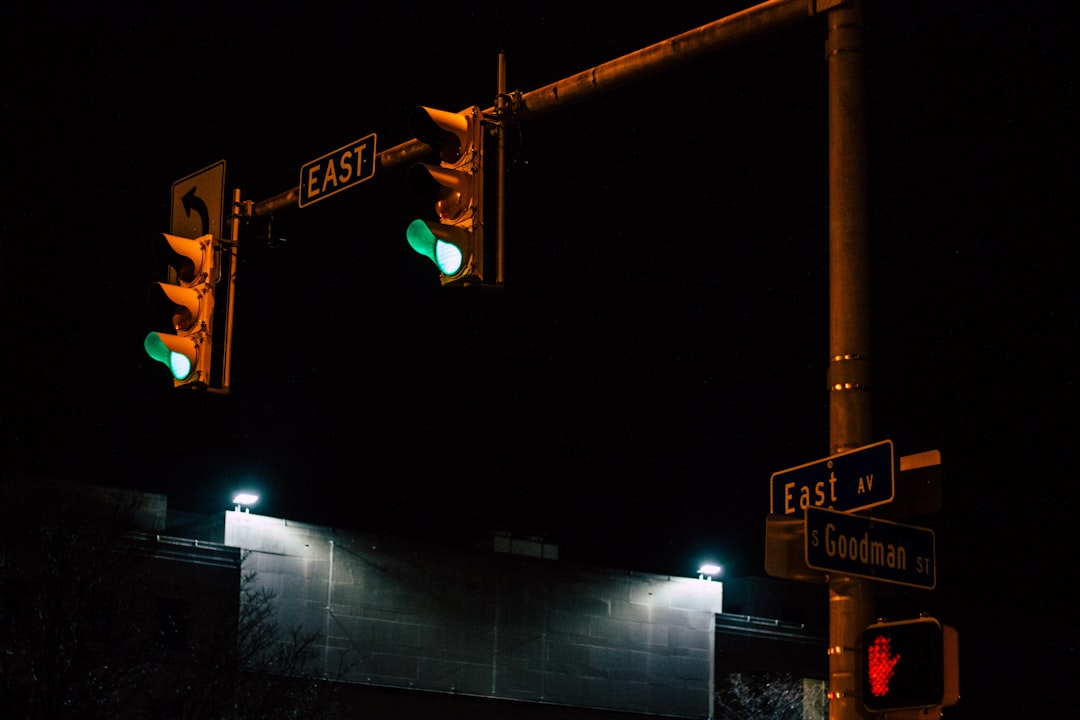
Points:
[[708, 571], [245, 500]]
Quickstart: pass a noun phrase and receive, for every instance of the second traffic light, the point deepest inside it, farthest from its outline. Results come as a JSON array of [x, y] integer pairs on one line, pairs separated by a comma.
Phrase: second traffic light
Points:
[[455, 242], [910, 664], [185, 305]]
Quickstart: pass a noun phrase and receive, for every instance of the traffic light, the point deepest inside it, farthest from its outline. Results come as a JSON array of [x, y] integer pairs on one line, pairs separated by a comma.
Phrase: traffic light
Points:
[[186, 305], [455, 243], [910, 664]]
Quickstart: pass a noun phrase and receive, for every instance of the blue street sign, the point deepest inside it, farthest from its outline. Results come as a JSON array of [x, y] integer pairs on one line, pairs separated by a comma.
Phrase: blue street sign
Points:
[[870, 548], [848, 481], [336, 171]]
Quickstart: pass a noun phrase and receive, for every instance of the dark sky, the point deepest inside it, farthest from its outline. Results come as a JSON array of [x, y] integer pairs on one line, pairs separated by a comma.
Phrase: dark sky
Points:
[[660, 348]]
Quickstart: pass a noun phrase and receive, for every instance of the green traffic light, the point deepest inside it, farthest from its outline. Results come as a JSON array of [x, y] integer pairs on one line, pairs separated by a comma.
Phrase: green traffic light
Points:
[[179, 365], [178, 362], [446, 255]]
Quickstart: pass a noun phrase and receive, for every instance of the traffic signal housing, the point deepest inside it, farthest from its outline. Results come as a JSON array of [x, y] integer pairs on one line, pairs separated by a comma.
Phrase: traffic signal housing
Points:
[[455, 187], [910, 664], [184, 306]]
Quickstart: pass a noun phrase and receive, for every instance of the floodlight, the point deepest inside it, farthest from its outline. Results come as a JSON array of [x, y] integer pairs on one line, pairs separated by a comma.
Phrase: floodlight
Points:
[[245, 500], [708, 570]]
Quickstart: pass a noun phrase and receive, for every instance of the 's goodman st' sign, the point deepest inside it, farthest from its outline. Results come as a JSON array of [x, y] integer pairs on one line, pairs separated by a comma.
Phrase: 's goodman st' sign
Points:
[[869, 547]]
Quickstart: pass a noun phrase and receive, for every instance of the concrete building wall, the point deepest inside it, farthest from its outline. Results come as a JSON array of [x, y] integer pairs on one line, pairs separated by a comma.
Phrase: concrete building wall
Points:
[[395, 614]]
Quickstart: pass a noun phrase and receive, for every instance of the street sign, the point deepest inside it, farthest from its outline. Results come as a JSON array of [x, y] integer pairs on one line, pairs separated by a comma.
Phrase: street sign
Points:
[[918, 487], [338, 170], [852, 480], [785, 550], [198, 201], [870, 548]]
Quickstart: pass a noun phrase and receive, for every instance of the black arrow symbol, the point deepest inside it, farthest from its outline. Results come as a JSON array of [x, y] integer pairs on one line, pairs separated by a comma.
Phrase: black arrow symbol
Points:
[[191, 201]]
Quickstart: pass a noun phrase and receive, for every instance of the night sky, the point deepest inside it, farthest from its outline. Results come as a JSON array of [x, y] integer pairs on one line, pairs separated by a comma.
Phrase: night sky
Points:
[[660, 347]]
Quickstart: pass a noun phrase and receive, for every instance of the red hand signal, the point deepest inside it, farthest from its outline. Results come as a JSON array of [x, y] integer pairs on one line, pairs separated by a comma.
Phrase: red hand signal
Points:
[[881, 664]]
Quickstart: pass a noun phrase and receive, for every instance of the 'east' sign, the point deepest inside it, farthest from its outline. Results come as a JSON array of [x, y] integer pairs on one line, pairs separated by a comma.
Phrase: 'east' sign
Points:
[[338, 170]]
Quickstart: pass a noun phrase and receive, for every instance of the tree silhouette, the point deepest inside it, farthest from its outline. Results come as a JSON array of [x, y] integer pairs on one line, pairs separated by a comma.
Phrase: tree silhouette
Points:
[[770, 696], [90, 629]]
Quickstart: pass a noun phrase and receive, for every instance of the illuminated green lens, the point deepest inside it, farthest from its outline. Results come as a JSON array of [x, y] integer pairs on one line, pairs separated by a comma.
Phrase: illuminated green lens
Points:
[[446, 256], [449, 257], [178, 363]]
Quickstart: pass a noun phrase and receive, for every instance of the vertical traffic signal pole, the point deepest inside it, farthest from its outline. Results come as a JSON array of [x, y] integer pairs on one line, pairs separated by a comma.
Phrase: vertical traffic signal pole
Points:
[[234, 237], [851, 601], [502, 107]]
